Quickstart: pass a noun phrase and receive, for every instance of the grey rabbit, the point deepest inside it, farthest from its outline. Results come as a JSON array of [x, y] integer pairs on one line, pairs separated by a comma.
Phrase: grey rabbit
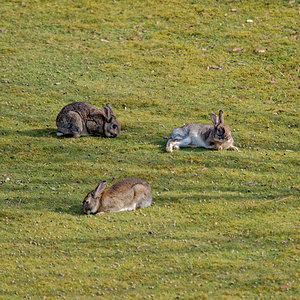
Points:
[[126, 194], [83, 119], [217, 136]]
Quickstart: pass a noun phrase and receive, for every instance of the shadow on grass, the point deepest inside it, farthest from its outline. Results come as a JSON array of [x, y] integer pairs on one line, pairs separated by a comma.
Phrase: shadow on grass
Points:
[[161, 143], [73, 210], [162, 147], [46, 133], [259, 147]]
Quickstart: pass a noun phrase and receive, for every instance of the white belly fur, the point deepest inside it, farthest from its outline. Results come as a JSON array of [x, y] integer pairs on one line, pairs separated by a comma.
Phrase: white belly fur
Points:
[[197, 141], [126, 209]]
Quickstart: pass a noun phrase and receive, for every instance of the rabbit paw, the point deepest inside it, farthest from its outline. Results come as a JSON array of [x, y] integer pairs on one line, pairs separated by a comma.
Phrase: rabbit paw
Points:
[[169, 147], [76, 135], [233, 148]]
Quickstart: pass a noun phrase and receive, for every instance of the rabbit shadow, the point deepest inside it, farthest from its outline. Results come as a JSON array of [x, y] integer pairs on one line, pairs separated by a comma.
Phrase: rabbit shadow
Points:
[[74, 210], [47, 132], [161, 143], [35, 133]]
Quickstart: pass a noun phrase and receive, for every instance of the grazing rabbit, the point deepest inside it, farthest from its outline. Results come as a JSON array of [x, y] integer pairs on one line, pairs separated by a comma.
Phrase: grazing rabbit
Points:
[[216, 136], [126, 194], [82, 119]]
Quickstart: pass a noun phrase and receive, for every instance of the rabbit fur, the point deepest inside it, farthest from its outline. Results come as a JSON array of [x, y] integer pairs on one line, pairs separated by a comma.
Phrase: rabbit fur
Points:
[[217, 136], [125, 195], [83, 119]]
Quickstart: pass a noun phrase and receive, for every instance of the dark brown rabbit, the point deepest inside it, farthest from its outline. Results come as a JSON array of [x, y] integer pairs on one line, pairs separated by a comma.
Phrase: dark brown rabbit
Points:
[[217, 136], [82, 119], [126, 194]]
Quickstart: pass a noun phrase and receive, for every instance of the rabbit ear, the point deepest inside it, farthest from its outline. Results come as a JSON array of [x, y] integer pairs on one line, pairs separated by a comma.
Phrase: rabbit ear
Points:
[[221, 117], [108, 111], [100, 188], [110, 108], [214, 119]]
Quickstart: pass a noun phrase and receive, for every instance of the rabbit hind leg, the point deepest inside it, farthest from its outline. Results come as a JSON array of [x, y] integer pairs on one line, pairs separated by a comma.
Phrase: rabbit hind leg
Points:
[[145, 201], [144, 196], [72, 125], [178, 143]]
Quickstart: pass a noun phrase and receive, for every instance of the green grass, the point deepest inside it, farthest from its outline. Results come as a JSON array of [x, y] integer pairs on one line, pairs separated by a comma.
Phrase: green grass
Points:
[[223, 224]]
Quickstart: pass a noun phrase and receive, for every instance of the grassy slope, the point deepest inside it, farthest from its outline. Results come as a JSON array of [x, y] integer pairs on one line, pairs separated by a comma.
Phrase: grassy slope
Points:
[[223, 223]]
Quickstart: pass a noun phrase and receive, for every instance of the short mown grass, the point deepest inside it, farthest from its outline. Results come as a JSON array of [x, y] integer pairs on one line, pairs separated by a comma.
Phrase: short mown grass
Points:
[[223, 224]]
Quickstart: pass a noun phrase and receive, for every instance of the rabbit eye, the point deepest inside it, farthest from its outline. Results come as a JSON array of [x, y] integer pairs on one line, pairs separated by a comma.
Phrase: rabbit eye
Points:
[[114, 126]]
